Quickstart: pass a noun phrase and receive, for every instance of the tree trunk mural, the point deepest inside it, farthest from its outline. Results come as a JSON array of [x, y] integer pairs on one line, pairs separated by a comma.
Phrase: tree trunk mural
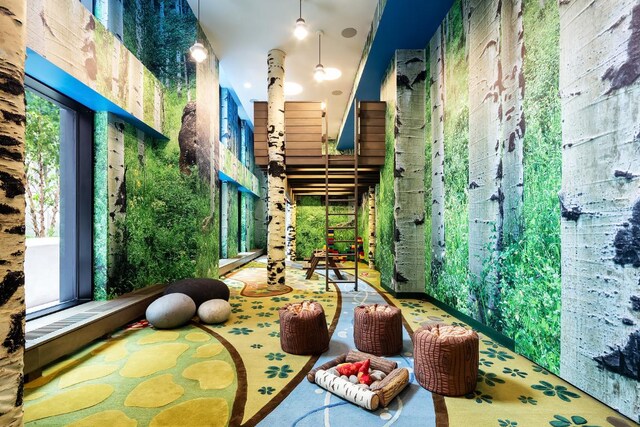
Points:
[[409, 213], [600, 199], [224, 220], [512, 118], [436, 59], [372, 227], [117, 191], [485, 155], [12, 209], [291, 231], [276, 170]]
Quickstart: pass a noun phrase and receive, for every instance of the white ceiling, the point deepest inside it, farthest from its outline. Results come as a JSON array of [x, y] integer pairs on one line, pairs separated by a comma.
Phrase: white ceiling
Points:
[[243, 31]]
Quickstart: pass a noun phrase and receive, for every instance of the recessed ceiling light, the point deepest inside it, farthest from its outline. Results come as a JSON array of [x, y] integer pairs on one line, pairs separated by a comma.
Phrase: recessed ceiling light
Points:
[[347, 33], [336, 92], [247, 85], [332, 73], [291, 88]]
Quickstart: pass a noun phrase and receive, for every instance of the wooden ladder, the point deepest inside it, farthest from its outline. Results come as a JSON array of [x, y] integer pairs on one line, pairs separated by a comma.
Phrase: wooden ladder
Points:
[[340, 198]]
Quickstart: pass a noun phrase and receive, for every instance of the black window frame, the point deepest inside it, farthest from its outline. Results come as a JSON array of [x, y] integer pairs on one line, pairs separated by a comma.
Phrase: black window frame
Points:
[[79, 182]]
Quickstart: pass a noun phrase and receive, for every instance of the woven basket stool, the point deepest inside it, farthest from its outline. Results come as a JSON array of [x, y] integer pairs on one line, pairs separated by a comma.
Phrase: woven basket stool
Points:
[[378, 329], [446, 359], [303, 328]]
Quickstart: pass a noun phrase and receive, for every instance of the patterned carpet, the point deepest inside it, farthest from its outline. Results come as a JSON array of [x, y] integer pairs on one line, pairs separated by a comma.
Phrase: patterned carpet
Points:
[[236, 374]]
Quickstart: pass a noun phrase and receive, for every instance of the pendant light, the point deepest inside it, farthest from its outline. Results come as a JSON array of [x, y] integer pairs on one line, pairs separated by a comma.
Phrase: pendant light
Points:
[[198, 51], [319, 73], [301, 31]]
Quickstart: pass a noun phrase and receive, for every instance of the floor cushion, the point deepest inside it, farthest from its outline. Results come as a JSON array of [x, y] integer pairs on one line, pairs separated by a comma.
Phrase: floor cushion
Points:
[[200, 290], [214, 311], [171, 311]]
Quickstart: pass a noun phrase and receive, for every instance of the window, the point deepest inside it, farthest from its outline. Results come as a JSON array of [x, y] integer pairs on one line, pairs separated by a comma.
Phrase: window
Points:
[[59, 169]]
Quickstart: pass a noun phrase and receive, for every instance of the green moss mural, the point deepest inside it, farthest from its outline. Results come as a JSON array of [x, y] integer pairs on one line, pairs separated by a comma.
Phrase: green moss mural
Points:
[[100, 207], [531, 267], [168, 228], [310, 222], [526, 306], [384, 204], [452, 285]]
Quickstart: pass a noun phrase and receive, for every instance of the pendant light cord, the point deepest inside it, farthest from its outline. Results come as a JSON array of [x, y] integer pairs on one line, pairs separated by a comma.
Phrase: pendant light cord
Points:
[[199, 12], [319, 48], [300, 9]]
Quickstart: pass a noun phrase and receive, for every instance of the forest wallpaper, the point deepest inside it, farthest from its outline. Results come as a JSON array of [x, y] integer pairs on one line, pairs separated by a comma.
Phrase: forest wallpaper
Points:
[[524, 301], [529, 203], [168, 223]]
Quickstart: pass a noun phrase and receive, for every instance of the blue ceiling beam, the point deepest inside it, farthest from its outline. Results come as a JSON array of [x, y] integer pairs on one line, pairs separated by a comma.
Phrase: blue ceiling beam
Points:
[[404, 24]]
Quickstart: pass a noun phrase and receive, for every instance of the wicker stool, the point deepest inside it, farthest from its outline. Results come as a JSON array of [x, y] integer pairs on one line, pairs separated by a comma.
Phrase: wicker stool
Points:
[[378, 329], [303, 328], [446, 359]]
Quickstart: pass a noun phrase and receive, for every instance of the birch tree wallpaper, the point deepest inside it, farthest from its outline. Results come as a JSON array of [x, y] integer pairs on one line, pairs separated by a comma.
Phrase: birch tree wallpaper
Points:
[[531, 196]]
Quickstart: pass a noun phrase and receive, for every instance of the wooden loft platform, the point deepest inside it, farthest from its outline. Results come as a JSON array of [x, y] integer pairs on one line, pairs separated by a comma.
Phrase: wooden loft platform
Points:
[[305, 133]]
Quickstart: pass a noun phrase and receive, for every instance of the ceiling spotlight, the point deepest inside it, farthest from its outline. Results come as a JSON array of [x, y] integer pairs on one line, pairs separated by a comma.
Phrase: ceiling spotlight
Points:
[[331, 73], [247, 85], [319, 74], [198, 51], [291, 88], [301, 30]]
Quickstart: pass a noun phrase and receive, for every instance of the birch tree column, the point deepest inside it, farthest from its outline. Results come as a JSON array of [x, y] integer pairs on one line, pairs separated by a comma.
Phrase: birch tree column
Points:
[[12, 209], [372, 227], [512, 118], [409, 212], [276, 170], [291, 231], [485, 154], [436, 60], [600, 199]]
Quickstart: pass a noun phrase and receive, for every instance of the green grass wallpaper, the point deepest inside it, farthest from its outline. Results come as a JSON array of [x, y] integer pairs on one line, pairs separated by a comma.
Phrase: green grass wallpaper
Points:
[[384, 255], [233, 226], [310, 224], [100, 207], [529, 269], [168, 230]]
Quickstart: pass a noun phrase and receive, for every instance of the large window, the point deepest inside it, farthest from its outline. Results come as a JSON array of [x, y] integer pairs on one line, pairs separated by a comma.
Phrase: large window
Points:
[[59, 166]]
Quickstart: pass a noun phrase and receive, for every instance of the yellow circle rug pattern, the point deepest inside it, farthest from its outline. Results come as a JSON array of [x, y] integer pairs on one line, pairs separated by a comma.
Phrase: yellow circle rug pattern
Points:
[[212, 374], [111, 418], [208, 350], [69, 401], [155, 392], [153, 359], [211, 412]]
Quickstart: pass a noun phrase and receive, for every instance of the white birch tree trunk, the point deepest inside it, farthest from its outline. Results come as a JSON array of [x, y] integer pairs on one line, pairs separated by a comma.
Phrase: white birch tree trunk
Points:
[[291, 231], [372, 227], [436, 59], [276, 170], [409, 212], [600, 199], [513, 120], [485, 154], [12, 210]]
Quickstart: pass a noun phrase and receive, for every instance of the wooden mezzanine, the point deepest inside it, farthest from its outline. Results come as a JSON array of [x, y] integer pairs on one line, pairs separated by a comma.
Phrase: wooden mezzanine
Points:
[[305, 135]]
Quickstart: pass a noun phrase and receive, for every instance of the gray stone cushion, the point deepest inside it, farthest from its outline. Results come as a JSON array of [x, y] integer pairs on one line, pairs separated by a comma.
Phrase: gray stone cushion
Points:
[[171, 311], [200, 290]]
